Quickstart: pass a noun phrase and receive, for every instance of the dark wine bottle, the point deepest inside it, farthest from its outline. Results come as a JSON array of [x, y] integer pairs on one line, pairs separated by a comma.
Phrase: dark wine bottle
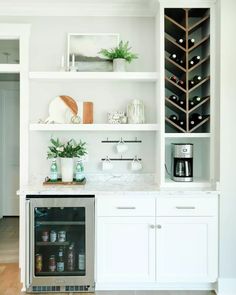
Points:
[[173, 118], [191, 104], [182, 123], [181, 62], [197, 79], [174, 79], [181, 83], [196, 99], [181, 102], [174, 98], [193, 61], [173, 56], [191, 42], [195, 119], [181, 41]]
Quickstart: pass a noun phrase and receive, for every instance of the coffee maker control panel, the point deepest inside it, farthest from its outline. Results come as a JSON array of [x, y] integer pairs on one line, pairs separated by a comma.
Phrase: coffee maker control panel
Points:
[[183, 150]]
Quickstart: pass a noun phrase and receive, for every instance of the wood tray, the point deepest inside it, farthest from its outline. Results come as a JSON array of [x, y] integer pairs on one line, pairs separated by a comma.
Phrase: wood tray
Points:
[[60, 182]]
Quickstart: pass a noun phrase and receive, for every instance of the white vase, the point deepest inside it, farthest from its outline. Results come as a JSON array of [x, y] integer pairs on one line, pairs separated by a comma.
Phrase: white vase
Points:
[[67, 165], [136, 112], [119, 65]]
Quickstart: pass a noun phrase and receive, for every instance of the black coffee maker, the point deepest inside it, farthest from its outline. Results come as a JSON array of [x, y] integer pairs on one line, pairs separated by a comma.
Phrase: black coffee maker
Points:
[[182, 162]]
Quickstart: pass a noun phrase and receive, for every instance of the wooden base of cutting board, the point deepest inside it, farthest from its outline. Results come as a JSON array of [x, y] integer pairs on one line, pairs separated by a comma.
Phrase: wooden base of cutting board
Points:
[[48, 181]]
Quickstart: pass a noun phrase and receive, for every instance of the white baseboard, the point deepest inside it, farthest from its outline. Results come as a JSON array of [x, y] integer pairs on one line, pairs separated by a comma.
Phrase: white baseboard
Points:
[[226, 286], [154, 286]]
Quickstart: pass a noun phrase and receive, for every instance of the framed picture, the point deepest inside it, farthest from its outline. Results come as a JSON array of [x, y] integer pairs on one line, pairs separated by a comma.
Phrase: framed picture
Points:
[[83, 52]]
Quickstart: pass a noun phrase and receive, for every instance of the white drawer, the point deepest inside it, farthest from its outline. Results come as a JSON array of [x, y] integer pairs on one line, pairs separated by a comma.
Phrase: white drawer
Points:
[[125, 206], [187, 206]]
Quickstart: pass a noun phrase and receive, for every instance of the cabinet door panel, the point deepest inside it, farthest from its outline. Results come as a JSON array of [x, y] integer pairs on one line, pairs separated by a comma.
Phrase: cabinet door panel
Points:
[[126, 249], [186, 249]]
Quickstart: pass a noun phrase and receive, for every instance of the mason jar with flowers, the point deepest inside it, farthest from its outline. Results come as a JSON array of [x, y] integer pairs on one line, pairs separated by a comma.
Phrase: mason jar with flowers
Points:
[[66, 152]]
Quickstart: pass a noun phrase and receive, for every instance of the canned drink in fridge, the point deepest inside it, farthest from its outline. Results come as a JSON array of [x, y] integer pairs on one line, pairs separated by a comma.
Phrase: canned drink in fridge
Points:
[[52, 263], [38, 263], [45, 236], [53, 236], [61, 236]]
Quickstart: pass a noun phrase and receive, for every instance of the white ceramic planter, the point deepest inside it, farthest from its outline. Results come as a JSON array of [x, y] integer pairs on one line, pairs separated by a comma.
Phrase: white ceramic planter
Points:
[[67, 165], [119, 65]]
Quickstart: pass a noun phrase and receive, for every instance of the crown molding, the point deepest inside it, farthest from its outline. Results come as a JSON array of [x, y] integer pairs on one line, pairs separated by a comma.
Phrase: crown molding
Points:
[[132, 8]]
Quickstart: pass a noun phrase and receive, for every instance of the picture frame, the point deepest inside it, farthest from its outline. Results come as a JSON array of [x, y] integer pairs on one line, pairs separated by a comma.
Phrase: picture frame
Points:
[[83, 48]]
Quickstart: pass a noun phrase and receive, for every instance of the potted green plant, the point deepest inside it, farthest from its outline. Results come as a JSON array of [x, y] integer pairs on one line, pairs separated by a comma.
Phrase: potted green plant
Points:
[[66, 152], [120, 55]]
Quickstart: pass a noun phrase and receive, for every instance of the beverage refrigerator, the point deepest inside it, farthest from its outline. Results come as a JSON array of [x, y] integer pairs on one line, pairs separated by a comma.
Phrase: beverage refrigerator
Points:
[[60, 243]]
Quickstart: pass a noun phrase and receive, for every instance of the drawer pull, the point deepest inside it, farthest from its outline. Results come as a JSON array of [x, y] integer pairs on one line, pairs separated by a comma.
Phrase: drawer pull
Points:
[[126, 208], [185, 207]]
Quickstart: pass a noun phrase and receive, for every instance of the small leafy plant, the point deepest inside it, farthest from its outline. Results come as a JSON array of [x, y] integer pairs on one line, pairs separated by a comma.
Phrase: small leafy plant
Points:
[[121, 51], [70, 149]]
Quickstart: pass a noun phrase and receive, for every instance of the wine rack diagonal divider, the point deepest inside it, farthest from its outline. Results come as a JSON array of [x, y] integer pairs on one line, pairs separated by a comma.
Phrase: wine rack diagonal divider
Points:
[[199, 84], [171, 40], [174, 22], [199, 43], [175, 85], [199, 63], [199, 20], [175, 64], [200, 124], [199, 104], [175, 105], [198, 24], [174, 125]]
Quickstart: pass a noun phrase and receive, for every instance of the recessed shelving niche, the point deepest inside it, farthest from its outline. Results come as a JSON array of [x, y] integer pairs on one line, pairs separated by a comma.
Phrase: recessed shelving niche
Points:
[[187, 70]]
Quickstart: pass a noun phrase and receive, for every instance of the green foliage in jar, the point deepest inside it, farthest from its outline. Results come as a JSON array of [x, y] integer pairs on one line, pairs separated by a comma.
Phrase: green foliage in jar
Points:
[[121, 51], [70, 149]]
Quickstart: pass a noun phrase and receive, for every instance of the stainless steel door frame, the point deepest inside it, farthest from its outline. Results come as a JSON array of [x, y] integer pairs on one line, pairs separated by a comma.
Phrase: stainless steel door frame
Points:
[[88, 204]]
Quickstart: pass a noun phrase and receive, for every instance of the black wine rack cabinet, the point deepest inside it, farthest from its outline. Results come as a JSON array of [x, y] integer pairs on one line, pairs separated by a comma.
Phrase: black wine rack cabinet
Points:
[[186, 24]]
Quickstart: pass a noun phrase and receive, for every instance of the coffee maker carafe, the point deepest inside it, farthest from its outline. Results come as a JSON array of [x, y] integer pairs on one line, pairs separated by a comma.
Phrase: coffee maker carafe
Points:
[[182, 162]]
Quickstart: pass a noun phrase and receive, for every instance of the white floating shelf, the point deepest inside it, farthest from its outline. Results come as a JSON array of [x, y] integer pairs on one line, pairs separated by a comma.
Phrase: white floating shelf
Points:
[[9, 68], [94, 127], [187, 135], [114, 76]]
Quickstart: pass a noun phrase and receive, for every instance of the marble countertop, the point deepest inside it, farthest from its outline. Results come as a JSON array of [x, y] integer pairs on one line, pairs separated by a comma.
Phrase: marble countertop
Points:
[[110, 188]]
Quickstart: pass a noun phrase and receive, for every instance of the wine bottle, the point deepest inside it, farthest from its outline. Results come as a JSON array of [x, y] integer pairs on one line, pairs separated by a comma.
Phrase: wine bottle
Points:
[[196, 99], [191, 42], [181, 83], [197, 79], [193, 61], [173, 118], [174, 79], [181, 62], [174, 98], [173, 56], [182, 123], [181, 102], [195, 119], [181, 41], [191, 104]]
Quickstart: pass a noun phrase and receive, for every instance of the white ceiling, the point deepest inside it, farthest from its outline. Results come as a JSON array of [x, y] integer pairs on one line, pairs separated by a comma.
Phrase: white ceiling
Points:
[[79, 7]]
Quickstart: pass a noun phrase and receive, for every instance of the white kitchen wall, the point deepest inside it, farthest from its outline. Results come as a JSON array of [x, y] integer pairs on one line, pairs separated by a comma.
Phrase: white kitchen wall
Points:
[[47, 44], [227, 282]]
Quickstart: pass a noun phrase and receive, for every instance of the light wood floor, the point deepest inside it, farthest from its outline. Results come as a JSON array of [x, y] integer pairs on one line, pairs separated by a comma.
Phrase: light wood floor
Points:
[[9, 240], [9, 272]]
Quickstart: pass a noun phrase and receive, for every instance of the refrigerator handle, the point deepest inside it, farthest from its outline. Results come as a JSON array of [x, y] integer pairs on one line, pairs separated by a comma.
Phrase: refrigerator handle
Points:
[[27, 244]]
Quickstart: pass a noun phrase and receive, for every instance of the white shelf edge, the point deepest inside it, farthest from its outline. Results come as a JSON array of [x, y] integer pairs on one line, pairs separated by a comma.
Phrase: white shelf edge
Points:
[[119, 76], [94, 127], [196, 183], [187, 135], [9, 68]]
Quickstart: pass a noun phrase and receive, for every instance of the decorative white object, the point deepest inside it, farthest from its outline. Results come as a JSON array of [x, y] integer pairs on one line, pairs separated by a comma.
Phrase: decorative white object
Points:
[[121, 147], [106, 164], [136, 112], [67, 169], [117, 118], [73, 68], [62, 109], [119, 65], [136, 165], [62, 68]]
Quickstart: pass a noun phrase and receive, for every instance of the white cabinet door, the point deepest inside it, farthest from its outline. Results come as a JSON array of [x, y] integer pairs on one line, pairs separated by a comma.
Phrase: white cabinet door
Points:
[[186, 249], [125, 249]]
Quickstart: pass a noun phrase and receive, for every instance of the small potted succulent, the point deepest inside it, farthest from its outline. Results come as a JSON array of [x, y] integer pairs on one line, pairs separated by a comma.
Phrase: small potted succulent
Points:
[[66, 152], [120, 55]]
